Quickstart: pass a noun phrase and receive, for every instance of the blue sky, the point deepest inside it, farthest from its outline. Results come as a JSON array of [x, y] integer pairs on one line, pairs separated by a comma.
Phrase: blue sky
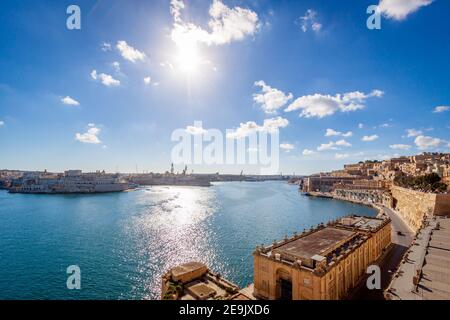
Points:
[[109, 96]]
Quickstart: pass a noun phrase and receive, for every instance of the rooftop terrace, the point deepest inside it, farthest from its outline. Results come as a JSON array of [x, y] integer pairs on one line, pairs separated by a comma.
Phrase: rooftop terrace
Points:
[[317, 248], [362, 223], [319, 243]]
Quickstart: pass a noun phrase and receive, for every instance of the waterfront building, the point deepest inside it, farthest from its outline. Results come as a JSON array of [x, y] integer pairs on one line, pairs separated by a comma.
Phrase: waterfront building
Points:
[[371, 192], [71, 181], [324, 263], [325, 183], [370, 196]]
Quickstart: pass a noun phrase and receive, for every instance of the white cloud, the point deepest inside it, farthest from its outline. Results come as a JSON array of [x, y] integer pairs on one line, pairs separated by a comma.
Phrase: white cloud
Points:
[[413, 133], [333, 145], [425, 142], [387, 156], [70, 101], [167, 64], [287, 146], [106, 46], [308, 152], [361, 126], [147, 80], [400, 146], [195, 130], [316, 26], [225, 24], [271, 125], [334, 133], [270, 99], [2, 123], [116, 66], [343, 143], [327, 146], [370, 138], [321, 106], [90, 136], [175, 9], [309, 21], [341, 156], [250, 127], [441, 109], [106, 79], [400, 9], [128, 52]]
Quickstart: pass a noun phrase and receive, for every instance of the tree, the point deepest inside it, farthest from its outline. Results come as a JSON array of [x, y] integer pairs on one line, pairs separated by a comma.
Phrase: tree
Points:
[[427, 183]]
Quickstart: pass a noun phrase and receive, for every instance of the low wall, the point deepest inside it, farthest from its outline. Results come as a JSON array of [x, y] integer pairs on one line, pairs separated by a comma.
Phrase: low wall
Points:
[[414, 205]]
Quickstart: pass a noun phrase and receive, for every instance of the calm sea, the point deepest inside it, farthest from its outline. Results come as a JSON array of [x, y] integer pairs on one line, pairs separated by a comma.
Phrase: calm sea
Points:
[[123, 242]]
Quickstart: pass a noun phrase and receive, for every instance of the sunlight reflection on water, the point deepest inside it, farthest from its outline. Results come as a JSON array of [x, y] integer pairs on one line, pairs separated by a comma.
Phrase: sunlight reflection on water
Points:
[[172, 229]]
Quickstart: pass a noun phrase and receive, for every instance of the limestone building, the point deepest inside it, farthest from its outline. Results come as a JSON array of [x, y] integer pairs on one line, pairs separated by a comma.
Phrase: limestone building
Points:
[[324, 263], [194, 281]]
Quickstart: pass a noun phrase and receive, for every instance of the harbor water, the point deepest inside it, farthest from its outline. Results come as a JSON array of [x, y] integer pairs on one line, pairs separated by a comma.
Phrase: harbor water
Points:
[[123, 242]]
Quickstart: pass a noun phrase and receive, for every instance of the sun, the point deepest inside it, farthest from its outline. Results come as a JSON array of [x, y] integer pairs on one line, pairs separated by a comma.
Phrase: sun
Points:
[[188, 58]]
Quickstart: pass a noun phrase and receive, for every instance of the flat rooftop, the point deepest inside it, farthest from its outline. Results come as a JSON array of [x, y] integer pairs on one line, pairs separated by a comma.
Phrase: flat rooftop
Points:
[[194, 281], [362, 223], [188, 271], [319, 243]]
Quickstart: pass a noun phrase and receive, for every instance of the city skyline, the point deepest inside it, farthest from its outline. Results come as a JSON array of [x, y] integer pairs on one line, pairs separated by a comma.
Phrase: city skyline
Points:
[[109, 96]]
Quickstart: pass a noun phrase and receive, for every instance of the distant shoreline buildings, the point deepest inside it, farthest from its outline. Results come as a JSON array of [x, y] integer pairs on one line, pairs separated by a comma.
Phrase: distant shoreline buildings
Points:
[[71, 181], [75, 181]]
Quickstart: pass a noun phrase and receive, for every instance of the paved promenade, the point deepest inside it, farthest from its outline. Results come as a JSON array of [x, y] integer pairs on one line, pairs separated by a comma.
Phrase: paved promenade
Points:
[[390, 261], [425, 273]]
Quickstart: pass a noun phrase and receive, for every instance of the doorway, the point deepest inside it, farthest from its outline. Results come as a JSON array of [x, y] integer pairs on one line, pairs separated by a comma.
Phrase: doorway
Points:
[[285, 289]]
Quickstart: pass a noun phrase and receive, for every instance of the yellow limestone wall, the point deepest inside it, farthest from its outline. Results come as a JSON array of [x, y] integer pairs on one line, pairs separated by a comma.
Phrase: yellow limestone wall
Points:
[[414, 205]]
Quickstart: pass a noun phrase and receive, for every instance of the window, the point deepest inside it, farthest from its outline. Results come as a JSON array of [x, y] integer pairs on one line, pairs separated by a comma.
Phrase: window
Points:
[[265, 285], [307, 282]]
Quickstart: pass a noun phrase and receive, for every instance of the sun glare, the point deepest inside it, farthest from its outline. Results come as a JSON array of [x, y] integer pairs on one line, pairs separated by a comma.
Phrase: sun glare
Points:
[[188, 58]]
